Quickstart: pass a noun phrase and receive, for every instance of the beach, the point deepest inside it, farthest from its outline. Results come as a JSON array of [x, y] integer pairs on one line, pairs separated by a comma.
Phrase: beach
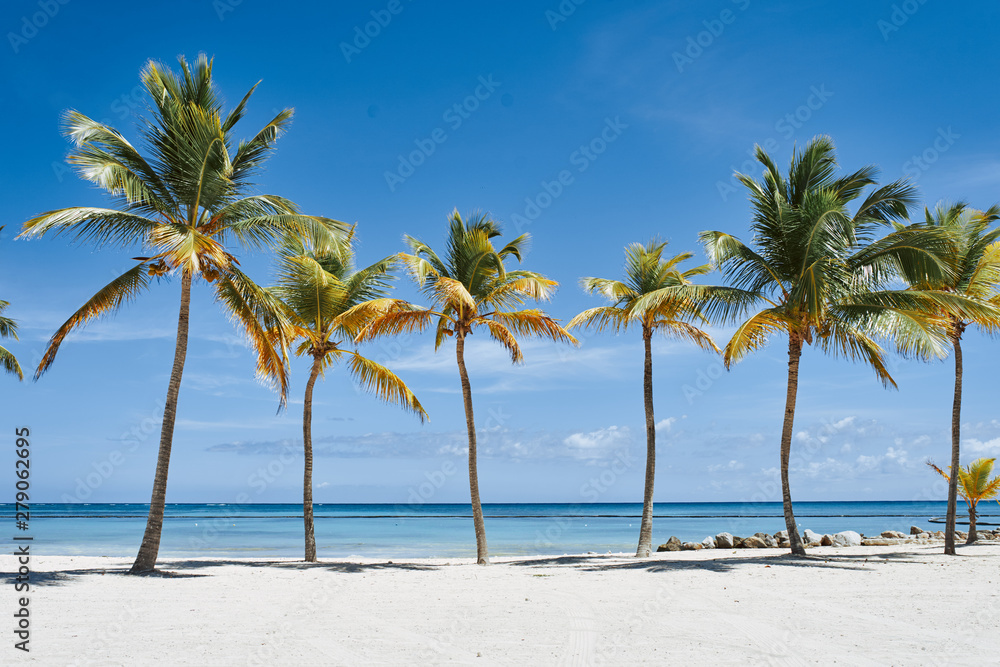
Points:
[[905, 604]]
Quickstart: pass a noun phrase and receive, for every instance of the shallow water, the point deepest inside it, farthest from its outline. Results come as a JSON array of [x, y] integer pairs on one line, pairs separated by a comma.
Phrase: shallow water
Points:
[[413, 531]]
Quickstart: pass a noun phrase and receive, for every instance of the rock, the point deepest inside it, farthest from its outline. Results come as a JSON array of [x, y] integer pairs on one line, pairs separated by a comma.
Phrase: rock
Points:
[[708, 543], [723, 541], [878, 542], [961, 535], [809, 537], [784, 544], [781, 536], [768, 540], [754, 542], [894, 534], [690, 546], [673, 544], [737, 542], [939, 534], [847, 538], [826, 541], [924, 536], [915, 531]]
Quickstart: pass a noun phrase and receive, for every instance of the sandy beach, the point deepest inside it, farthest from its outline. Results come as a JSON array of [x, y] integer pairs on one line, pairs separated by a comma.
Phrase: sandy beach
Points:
[[896, 605]]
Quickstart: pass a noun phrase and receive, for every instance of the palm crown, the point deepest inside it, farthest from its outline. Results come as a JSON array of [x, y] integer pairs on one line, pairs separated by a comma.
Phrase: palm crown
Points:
[[183, 204], [822, 272], [655, 294], [317, 287], [471, 288]]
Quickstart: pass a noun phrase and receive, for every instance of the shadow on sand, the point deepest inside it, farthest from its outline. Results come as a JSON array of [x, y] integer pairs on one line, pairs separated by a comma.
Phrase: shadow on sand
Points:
[[186, 569]]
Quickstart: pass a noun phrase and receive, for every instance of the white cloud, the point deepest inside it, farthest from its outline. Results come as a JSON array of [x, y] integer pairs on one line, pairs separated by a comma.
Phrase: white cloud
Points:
[[982, 447], [599, 443], [732, 466], [664, 425]]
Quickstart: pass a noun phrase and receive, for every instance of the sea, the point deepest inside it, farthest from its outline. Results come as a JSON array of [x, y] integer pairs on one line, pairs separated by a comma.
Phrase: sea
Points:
[[440, 530]]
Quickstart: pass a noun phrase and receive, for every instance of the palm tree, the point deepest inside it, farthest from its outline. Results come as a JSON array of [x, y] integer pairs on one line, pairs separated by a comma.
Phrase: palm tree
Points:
[[822, 277], [974, 258], [975, 485], [470, 289], [318, 286], [669, 305], [183, 204], [8, 329]]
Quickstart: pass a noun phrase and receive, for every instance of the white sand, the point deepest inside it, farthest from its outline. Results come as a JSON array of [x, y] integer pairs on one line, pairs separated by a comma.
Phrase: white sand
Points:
[[903, 605]]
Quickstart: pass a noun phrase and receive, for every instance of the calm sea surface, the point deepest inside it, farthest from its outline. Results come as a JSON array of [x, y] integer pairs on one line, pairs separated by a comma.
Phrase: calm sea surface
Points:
[[259, 530]]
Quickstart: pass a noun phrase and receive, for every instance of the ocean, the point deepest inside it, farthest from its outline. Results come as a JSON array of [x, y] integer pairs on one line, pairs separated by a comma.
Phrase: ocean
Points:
[[431, 530]]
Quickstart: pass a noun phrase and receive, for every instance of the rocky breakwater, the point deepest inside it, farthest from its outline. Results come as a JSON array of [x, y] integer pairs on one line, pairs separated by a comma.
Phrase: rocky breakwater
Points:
[[847, 538]]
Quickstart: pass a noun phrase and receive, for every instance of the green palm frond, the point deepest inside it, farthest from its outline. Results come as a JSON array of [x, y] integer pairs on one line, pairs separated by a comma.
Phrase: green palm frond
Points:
[[9, 363]]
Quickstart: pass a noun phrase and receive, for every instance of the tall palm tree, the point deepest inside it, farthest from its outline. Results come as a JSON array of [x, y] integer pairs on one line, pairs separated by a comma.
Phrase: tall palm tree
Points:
[[975, 485], [317, 287], [974, 258], [470, 289], [823, 278], [183, 204], [670, 307]]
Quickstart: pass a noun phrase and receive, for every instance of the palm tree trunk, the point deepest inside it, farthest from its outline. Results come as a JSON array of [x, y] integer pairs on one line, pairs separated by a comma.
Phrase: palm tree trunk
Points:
[[972, 525], [794, 354], [646, 527], [145, 561], [956, 417], [307, 445], [482, 554]]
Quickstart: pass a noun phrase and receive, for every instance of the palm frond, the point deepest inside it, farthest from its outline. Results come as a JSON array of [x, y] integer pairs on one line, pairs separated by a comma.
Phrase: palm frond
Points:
[[385, 384], [106, 301]]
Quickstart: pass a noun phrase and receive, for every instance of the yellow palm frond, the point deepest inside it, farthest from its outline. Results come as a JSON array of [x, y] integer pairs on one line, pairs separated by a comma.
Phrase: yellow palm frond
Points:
[[453, 292], [395, 322], [688, 332], [385, 384], [752, 335], [534, 322], [184, 246], [266, 322], [502, 335], [359, 317], [108, 299], [601, 318]]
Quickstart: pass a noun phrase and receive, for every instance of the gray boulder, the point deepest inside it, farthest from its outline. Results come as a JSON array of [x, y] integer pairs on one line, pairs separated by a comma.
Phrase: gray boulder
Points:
[[826, 541], [915, 531], [724, 541], [768, 540], [811, 537], [708, 543], [781, 536], [894, 534], [847, 538], [690, 546], [754, 542]]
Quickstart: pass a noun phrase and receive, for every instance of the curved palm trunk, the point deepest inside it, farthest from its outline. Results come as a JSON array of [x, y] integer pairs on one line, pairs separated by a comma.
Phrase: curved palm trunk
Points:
[[956, 417], [972, 525], [646, 527], [307, 446], [482, 554], [145, 561], [794, 354]]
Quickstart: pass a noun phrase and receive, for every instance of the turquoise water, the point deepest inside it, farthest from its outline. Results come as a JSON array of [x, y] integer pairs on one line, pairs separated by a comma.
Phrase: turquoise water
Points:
[[401, 531]]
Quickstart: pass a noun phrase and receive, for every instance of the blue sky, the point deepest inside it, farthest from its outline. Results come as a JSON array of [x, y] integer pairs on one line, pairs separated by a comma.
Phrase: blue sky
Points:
[[643, 108]]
